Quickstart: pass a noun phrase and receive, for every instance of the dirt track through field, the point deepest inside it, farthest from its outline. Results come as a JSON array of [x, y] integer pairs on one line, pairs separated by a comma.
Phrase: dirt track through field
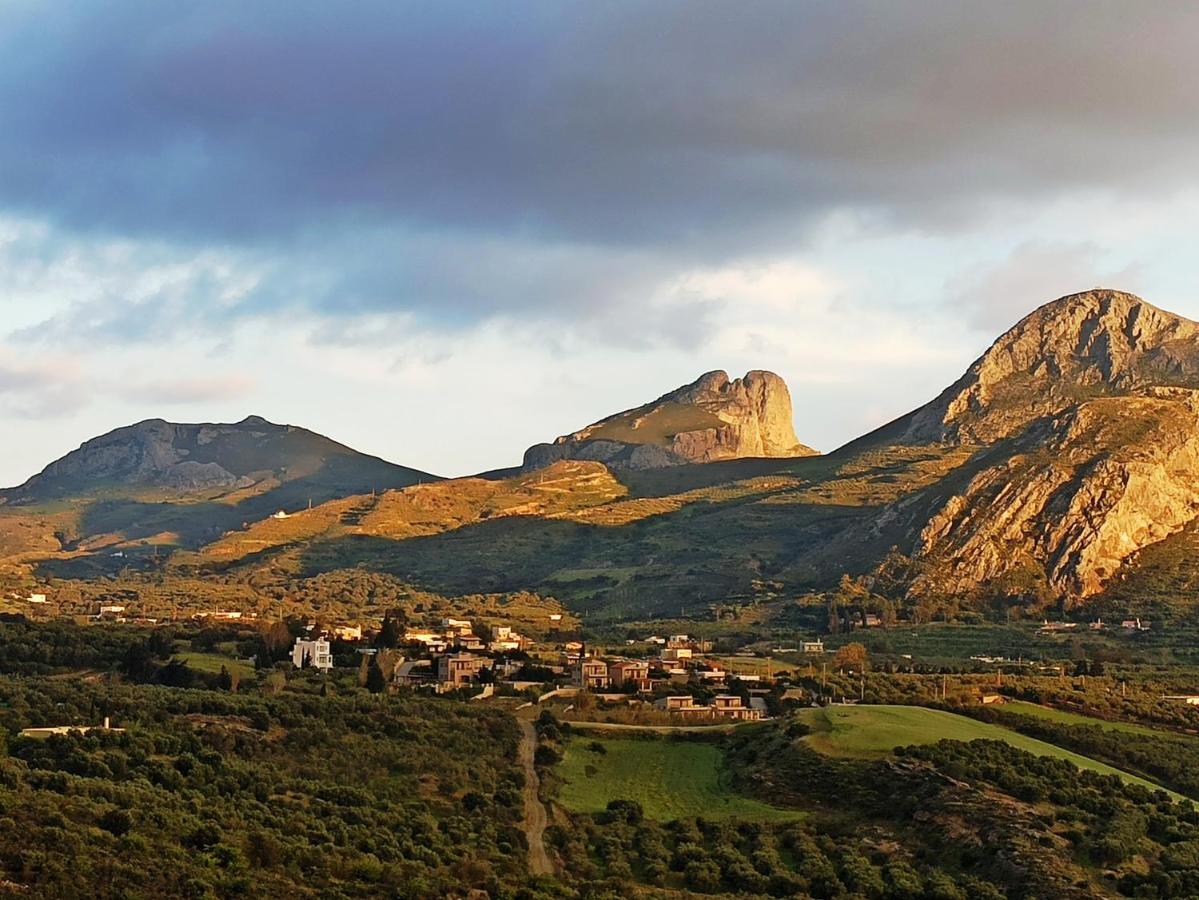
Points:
[[535, 817]]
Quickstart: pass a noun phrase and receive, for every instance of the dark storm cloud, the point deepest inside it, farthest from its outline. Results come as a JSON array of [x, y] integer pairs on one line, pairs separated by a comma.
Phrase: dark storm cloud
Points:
[[361, 153]]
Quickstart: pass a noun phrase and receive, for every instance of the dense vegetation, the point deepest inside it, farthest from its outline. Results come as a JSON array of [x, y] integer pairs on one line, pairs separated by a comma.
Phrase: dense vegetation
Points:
[[303, 792], [1169, 759]]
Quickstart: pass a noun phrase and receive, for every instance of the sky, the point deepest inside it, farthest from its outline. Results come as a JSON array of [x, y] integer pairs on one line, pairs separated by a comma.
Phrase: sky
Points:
[[440, 232]]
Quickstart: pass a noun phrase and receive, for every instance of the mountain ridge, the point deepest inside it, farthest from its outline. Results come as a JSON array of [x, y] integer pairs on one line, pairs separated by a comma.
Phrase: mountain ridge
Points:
[[189, 457], [1037, 477]]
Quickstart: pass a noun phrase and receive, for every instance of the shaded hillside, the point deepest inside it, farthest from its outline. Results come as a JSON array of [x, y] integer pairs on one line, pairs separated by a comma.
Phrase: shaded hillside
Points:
[[183, 484], [659, 541]]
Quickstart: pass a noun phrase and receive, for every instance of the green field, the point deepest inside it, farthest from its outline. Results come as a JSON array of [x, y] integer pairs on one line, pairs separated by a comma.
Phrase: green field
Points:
[[866, 731], [670, 779], [1065, 717], [953, 642], [212, 662]]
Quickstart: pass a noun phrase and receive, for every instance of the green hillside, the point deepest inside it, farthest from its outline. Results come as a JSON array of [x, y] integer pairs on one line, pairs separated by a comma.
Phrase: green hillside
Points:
[[872, 731]]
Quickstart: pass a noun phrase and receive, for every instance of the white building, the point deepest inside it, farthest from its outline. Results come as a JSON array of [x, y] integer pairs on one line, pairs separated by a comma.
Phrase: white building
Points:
[[37, 598], [313, 653]]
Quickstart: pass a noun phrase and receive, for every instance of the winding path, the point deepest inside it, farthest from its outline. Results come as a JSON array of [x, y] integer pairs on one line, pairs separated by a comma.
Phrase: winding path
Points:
[[535, 817]]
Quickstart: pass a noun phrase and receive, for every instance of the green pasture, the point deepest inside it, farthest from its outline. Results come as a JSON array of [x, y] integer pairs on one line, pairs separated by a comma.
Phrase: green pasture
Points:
[[870, 731], [670, 779]]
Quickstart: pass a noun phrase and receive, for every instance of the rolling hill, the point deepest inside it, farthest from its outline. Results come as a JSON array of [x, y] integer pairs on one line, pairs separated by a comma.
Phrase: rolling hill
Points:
[[182, 485]]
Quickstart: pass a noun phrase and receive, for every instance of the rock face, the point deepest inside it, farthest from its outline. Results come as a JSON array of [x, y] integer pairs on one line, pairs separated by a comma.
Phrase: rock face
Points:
[[1086, 414], [1077, 497], [1098, 343], [181, 458], [713, 418]]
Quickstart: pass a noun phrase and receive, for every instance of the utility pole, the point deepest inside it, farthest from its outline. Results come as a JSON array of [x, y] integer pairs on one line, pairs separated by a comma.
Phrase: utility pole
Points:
[[862, 691], [944, 682]]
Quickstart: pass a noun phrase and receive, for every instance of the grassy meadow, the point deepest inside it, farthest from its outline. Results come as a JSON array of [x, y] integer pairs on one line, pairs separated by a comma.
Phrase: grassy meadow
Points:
[[670, 779], [212, 663], [870, 731]]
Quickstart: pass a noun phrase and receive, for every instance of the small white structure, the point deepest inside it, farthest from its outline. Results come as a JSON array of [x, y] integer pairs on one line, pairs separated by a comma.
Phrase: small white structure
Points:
[[36, 598], [313, 653], [811, 646], [48, 730], [280, 515]]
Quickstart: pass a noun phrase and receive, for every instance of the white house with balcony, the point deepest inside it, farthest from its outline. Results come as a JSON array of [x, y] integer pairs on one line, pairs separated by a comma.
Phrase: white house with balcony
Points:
[[314, 653]]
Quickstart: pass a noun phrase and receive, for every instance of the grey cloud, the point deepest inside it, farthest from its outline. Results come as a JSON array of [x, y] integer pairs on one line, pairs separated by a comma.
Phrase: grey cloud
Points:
[[467, 161]]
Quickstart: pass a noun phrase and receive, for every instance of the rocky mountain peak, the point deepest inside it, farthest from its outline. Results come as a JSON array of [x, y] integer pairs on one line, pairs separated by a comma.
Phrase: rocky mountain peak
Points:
[[1096, 343], [712, 418], [185, 458]]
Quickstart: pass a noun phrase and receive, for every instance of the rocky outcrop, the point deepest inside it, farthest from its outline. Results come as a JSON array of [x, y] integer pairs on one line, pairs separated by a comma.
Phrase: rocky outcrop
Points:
[[151, 453], [1086, 414], [713, 418], [1098, 343], [1078, 497]]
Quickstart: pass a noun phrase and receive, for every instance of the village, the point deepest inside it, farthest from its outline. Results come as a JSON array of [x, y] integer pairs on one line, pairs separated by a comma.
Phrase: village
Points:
[[458, 655]]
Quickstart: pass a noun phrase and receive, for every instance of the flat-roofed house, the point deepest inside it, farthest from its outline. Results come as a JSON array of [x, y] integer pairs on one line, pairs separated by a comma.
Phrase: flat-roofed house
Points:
[[591, 673], [312, 653], [458, 626], [629, 671], [459, 668], [731, 706]]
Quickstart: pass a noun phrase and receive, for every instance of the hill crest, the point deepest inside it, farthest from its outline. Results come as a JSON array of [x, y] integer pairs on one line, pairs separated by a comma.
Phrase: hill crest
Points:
[[188, 458]]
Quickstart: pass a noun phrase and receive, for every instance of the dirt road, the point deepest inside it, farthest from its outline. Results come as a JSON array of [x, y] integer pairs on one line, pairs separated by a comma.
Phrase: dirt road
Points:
[[535, 817], [660, 729]]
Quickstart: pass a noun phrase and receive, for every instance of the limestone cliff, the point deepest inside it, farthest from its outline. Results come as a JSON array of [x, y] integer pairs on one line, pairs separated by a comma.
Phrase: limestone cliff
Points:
[[713, 418], [1086, 416], [1076, 498]]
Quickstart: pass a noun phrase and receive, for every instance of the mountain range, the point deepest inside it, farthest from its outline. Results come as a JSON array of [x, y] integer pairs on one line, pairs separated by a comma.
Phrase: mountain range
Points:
[[1061, 468]]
